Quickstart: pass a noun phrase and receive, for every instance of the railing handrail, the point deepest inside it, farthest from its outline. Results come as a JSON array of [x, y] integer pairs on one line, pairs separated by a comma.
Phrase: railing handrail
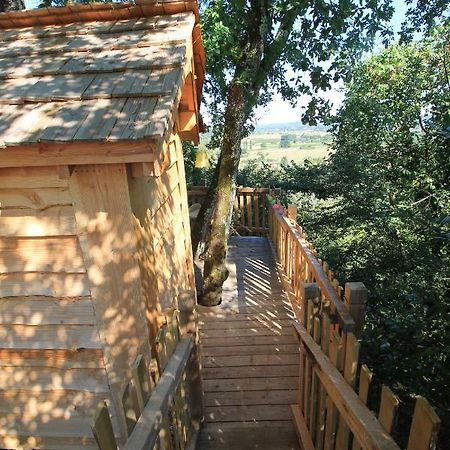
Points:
[[148, 426], [345, 319], [361, 421]]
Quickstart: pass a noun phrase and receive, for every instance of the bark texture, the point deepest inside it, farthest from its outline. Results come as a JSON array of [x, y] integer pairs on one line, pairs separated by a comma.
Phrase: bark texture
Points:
[[259, 54], [215, 272]]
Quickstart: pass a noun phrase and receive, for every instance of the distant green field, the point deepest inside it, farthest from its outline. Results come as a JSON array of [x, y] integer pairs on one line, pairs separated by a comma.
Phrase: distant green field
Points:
[[297, 146]]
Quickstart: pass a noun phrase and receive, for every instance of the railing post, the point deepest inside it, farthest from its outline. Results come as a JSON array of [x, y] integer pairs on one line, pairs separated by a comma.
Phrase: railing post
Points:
[[189, 325], [292, 212], [308, 291], [355, 300]]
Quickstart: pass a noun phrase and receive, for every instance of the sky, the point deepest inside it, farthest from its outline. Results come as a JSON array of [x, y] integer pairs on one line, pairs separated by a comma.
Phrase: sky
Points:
[[278, 111]]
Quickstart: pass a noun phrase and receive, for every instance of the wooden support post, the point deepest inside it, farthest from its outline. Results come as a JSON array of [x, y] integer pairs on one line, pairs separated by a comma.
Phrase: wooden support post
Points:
[[308, 291], [188, 325], [102, 428], [355, 299], [188, 312], [292, 212]]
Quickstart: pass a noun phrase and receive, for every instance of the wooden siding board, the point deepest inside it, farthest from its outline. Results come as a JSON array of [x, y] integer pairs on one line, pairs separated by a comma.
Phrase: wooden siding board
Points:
[[107, 237]]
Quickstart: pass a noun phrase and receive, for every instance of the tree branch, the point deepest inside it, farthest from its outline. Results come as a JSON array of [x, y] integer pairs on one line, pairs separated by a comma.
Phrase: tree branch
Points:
[[275, 48]]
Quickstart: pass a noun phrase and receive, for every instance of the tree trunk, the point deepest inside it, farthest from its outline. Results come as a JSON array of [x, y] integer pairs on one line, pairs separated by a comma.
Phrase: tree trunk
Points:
[[215, 272], [201, 224]]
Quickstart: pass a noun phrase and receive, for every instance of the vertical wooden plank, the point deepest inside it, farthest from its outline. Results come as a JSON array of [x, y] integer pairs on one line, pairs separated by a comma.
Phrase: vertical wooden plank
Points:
[[141, 380], [249, 210], [107, 236], [314, 386], [350, 371], [102, 428], [256, 210], [332, 413], [185, 211], [264, 210], [161, 348], [308, 363], [321, 413], [424, 427], [365, 378], [127, 404], [388, 409], [308, 291], [355, 299], [241, 197]]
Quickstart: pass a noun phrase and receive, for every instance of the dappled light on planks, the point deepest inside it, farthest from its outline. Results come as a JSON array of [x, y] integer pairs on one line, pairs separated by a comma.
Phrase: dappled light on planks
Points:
[[249, 356]]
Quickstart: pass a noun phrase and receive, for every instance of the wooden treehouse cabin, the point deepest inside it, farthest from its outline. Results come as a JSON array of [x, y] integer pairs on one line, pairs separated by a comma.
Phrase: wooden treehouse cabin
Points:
[[95, 248], [100, 342]]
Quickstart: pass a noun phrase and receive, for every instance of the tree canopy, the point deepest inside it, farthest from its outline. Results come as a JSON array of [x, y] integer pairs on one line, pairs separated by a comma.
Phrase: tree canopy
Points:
[[378, 211]]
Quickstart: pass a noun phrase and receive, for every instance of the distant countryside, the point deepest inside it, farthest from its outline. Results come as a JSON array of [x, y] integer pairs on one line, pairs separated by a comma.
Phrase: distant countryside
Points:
[[275, 143]]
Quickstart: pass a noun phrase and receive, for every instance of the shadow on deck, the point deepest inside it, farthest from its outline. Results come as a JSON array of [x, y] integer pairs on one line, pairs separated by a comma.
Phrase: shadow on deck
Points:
[[249, 356]]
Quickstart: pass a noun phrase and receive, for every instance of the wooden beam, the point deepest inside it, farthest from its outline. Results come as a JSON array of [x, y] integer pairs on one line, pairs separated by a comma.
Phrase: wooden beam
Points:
[[107, 237], [187, 120], [361, 421], [146, 431], [77, 152]]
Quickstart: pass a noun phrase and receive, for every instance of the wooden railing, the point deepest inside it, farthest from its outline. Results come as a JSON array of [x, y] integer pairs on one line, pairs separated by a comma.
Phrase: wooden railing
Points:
[[329, 414], [161, 405], [250, 212]]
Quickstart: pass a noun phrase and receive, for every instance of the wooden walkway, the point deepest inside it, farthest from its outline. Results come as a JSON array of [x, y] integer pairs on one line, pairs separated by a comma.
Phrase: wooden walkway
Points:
[[249, 356]]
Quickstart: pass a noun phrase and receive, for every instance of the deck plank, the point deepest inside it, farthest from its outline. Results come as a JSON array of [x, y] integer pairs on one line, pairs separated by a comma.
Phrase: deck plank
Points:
[[249, 356]]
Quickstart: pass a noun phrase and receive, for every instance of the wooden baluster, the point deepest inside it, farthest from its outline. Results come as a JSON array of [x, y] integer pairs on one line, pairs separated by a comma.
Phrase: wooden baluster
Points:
[[165, 438], [241, 209], [292, 214], [332, 413], [249, 211], [128, 408], [365, 378], [350, 370], [355, 299], [308, 363], [314, 385], [388, 409], [256, 211], [176, 422], [161, 348], [264, 208], [141, 381], [325, 345], [102, 428], [424, 427]]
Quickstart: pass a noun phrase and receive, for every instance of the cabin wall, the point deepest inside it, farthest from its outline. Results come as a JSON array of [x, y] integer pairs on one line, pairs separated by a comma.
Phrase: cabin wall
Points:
[[160, 207], [52, 372], [89, 262], [107, 236]]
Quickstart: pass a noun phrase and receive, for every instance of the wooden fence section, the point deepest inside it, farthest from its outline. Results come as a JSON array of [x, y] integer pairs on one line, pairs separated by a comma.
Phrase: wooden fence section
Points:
[[161, 405], [329, 414], [300, 265], [251, 210]]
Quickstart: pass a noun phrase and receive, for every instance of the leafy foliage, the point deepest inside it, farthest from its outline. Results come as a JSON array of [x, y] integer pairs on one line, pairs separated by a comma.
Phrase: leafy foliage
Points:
[[378, 211], [306, 46]]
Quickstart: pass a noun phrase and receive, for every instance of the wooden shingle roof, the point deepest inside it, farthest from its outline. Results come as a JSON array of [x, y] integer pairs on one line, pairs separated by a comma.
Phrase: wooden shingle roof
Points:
[[84, 78]]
